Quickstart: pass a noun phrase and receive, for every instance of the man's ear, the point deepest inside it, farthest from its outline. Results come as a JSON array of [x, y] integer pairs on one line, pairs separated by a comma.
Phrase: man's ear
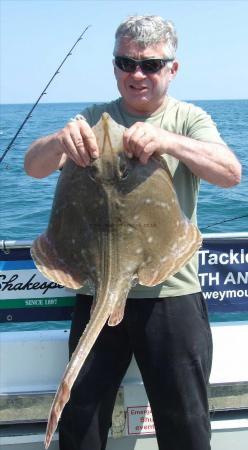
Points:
[[174, 68]]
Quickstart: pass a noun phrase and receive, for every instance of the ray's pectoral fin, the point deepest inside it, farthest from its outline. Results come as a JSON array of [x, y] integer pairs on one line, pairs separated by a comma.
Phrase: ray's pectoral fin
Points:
[[52, 266], [171, 255]]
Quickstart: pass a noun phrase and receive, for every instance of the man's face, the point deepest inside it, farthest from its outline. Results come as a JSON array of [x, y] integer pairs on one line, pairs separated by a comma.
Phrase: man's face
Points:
[[143, 93]]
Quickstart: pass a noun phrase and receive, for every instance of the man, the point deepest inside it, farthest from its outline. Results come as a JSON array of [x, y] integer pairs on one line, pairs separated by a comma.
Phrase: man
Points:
[[166, 327]]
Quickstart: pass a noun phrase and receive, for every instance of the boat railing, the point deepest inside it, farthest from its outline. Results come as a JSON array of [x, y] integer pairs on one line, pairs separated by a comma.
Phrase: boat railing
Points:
[[10, 244]]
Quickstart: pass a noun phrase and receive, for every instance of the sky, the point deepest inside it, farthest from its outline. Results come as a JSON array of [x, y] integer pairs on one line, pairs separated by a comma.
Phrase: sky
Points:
[[37, 34]]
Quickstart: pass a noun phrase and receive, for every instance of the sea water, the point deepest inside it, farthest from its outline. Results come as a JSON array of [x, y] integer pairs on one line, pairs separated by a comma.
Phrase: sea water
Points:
[[26, 202]]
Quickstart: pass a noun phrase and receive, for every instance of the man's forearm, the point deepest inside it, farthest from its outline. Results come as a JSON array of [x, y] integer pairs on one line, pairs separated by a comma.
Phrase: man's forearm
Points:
[[212, 162], [44, 157]]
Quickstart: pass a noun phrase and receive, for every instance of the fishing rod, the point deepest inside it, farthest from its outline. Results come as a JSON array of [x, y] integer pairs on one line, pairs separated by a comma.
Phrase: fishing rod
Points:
[[223, 221], [41, 95]]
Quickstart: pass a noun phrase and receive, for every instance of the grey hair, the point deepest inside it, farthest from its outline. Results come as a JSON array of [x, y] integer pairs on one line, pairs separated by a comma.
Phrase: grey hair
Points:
[[148, 31]]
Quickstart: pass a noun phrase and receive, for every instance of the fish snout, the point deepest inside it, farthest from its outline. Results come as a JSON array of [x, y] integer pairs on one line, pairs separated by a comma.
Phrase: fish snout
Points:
[[122, 167]]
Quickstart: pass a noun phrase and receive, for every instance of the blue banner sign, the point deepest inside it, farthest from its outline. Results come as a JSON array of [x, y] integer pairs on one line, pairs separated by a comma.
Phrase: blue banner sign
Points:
[[223, 274], [26, 296]]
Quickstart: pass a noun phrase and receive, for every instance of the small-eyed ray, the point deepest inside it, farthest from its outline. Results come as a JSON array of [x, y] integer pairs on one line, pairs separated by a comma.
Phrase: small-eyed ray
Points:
[[112, 223]]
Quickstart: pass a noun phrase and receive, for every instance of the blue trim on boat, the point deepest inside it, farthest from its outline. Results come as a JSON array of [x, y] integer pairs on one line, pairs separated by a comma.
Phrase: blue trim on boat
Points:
[[17, 265]]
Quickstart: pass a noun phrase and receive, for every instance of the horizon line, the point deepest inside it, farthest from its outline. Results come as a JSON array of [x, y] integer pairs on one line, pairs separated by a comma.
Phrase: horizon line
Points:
[[106, 101]]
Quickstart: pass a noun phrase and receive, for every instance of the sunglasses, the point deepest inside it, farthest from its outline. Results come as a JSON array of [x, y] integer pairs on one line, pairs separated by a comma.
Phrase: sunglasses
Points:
[[151, 65]]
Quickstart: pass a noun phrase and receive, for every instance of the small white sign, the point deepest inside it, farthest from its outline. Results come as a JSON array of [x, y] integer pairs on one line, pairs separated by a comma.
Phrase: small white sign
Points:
[[28, 283], [140, 420]]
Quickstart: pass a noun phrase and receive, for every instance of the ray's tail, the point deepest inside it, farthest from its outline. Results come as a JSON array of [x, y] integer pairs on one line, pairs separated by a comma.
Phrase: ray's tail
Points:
[[108, 306]]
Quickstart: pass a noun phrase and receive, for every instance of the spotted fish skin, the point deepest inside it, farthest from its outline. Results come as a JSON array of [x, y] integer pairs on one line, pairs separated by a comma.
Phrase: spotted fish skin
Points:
[[112, 223]]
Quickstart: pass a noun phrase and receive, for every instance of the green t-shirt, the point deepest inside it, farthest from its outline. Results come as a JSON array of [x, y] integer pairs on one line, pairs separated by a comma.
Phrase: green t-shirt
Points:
[[187, 120]]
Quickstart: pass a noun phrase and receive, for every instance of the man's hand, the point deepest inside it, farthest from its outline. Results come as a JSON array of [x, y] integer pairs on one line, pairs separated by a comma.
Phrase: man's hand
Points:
[[49, 153], [213, 162], [78, 142], [142, 140]]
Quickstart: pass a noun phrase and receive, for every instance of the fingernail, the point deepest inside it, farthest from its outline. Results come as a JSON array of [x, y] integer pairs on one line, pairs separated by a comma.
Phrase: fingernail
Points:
[[129, 155], [95, 154]]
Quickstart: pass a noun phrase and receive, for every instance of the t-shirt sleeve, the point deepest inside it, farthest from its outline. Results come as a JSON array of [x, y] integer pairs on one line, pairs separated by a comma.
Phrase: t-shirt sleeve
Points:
[[200, 126]]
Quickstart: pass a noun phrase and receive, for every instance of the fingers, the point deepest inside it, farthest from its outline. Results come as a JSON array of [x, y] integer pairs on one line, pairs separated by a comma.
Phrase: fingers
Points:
[[79, 142], [89, 140], [148, 151], [73, 151], [141, 140]]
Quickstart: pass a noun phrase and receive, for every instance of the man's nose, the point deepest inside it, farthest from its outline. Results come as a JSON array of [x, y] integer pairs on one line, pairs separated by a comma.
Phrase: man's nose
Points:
[[138, 73]]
